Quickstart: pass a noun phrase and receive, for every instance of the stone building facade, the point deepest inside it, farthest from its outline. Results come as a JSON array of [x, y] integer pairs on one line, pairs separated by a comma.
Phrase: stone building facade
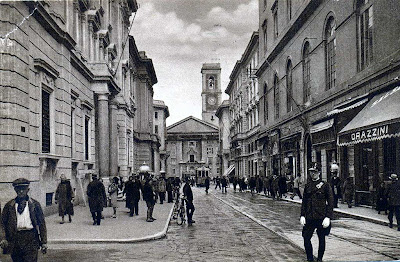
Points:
[[192, 144], [161, 113], [244, 111], [64, 92], [211, 92], [224, 141], [323, 66]]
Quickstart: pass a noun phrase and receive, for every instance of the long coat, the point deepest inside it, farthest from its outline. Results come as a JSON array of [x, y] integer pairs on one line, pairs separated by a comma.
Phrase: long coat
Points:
[[96, 195], [9, 221], [394, 193], [317, 200], [132, 191], [64, 197], [148, 194]]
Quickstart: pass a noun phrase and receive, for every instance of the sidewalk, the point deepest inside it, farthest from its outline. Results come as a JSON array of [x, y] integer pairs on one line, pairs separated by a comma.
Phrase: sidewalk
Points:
[[360, 212], [123, 229]]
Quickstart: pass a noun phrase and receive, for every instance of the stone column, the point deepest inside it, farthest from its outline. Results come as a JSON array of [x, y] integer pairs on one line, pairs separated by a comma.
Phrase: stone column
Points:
[[113, 139], [156, 161], [104, 137]]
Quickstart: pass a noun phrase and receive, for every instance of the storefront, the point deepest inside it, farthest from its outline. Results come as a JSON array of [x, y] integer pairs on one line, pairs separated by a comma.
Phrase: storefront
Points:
[[274, 147], [290, 147], [370, 143]]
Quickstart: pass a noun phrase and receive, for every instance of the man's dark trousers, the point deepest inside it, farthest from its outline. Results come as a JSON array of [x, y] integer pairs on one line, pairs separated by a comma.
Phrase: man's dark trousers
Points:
[[394, 210], [96, 217], [26, 246], [135, 208], [189, 210], [308, 231]]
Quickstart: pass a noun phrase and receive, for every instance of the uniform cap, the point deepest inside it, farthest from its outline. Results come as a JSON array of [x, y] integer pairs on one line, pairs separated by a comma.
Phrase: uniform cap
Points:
[[393, 176], [20, 182]]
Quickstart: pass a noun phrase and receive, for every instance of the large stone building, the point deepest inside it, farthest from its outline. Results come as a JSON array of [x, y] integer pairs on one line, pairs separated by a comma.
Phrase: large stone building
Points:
[[192, 144], [223, 115], [243, 107], [161, 113], [329, 76], [70, 88]]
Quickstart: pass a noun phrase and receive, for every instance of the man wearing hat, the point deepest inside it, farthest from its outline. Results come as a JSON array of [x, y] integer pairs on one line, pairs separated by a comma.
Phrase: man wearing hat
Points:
[[148, 196], [24, 225], [394, 200], [316, 213], [188, 194], [97, 198]]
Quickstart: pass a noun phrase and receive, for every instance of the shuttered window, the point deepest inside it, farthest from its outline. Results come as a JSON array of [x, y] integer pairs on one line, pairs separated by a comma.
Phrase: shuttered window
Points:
[[45, 122]]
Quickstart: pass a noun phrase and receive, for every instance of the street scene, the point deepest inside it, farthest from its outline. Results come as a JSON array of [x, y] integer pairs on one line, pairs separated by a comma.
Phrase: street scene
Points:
[[186, 130]]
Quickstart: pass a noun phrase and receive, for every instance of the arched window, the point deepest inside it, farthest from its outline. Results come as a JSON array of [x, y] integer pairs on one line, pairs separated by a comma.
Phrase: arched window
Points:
[[289, 87], [330, 36], [365, 25], [276, 96], [306, 73], [265, 103]]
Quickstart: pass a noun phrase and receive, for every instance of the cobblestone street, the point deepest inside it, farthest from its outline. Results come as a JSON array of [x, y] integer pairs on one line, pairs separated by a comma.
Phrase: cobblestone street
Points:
[[241, 227]]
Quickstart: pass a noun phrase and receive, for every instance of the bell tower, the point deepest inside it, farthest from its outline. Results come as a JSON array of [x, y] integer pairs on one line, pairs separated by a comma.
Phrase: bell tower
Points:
[[211, 91]]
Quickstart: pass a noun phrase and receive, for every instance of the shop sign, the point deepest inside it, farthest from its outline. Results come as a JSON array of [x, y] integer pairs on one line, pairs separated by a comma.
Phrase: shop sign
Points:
[[370, 133]]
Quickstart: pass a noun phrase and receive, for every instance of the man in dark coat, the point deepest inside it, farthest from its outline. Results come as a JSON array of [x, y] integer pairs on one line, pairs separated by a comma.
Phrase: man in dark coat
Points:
[[148, 196], [132, 191], [64, 197], [224, 183], [24, 225], [170, 188], [97, 199], [316, 213], [207, 183], [394, 200], [336, 184], [188, 194]]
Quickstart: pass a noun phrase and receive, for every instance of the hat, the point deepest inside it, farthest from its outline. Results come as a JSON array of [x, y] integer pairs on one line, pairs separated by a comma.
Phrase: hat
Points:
[[20, 182], [63, 177], [393, 176], [313, 169]]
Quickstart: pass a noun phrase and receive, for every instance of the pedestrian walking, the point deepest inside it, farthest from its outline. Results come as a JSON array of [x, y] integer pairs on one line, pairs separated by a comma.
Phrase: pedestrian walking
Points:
[[252, 184], [188, 194], [381, 199], [282, 186], [24, 225], [224, 183], [234, 182], [162, 188], [349, 189], [148, 196], [394, 200], [64, 198], [132, 191], [336, 184], [170, 188], [296, 186], [97, 198], [207, 183], [217, 182], [113, 194], [316, 213]]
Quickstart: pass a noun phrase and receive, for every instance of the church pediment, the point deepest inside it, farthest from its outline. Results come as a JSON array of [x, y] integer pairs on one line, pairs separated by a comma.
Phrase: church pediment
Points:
[[191, 125]]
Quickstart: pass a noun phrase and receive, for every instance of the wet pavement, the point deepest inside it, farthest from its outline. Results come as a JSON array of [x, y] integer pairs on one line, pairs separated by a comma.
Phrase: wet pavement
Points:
[[241, 227]]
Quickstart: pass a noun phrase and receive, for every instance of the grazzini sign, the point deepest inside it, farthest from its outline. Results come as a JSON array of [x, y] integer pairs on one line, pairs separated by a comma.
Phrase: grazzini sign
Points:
[[370, 134]]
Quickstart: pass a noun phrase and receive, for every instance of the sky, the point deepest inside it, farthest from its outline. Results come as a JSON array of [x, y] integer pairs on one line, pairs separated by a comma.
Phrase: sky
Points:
[[180, 35]]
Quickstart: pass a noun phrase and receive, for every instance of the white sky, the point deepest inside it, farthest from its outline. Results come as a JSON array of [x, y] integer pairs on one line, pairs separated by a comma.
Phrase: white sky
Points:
[[180, 35]]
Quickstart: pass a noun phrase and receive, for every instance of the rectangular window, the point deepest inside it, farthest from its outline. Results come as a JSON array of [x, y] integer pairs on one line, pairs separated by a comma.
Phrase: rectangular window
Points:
[[191, 158], [156, 129], [87, 137], [156, 115], [45, 122], [365, 32], [72, 131], [276, 100], [275, 14], [49, 199]]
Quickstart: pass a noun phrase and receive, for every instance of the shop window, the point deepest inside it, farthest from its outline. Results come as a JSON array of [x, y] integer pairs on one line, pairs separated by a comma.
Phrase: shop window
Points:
[[49, 199], [390, 159]]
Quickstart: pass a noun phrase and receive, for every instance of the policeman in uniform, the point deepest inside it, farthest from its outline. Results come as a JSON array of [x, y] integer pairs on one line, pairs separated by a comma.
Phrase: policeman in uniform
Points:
[[24, 225], [316, 213]]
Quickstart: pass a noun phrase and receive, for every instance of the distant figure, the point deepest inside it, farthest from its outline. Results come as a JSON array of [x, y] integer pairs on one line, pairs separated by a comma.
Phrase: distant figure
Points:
[[394, 200], [170, 188], [282, 186], [349, 189], [296, 186], [162, 188], [64, 197], [252, 184], [24, 225], [218, 182], [234, 182], [381, 199], [97, 197], [113, 194], [207, 183], [148, 196], [224, 183], [335, 184], [132, 191], [316, 213], [188, 194]]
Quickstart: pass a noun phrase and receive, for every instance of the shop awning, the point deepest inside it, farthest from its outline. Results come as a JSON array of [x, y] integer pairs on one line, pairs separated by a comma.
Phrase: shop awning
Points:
[[229, 170], [343, 109], [322, 126], [379, 119]]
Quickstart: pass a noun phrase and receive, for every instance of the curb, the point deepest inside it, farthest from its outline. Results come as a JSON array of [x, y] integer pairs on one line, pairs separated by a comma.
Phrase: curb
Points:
[[345, 213], [155, 236]]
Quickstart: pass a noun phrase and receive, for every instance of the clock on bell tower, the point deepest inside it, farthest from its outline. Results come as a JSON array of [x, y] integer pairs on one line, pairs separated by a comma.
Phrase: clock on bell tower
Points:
[[211, 91]]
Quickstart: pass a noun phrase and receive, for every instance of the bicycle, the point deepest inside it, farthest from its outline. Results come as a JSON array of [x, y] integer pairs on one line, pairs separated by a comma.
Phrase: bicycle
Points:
[[181, 215]]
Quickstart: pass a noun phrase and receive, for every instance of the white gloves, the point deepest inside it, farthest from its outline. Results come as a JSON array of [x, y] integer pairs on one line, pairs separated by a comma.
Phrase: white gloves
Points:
[[303, 221], [326, 222]]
